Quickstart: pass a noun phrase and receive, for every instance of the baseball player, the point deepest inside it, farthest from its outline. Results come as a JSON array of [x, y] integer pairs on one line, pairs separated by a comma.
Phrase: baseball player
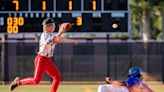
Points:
[[43, 62], [134, 83]]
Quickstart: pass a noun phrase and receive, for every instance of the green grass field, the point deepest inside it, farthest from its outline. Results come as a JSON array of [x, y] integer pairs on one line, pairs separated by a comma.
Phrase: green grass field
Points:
[[65, 88]]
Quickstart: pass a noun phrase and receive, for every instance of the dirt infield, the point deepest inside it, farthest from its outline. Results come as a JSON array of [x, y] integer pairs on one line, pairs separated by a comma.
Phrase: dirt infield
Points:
[[68, 87]]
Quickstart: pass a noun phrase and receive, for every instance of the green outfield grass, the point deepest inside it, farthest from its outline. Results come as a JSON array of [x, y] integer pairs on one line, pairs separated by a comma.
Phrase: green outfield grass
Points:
[[65, 88]]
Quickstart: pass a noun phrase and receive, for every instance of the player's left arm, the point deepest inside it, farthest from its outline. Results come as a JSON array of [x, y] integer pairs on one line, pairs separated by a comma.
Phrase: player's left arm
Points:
[[64, 27]]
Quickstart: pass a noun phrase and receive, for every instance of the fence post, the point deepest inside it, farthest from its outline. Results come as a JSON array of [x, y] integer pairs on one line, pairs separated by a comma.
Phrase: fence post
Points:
[[108, 57], [162, 46], [162, 62], [130, 53], [4, 59], [162, 68], [145, 62]]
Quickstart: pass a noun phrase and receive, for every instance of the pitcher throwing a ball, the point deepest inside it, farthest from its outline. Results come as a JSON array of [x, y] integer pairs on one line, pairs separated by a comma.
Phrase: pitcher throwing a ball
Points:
[[43, 62]]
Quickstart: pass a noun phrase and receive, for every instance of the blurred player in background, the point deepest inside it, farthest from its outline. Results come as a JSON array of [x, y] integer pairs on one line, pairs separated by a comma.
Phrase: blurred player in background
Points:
[[43, 61], [134, 83]]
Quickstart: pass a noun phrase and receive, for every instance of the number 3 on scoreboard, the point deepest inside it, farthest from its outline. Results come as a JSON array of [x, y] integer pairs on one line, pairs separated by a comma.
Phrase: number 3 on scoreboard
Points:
[[79, 21]]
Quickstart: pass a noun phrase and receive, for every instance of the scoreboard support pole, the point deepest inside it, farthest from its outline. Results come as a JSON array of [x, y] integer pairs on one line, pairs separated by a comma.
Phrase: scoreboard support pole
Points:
[[4, 60]]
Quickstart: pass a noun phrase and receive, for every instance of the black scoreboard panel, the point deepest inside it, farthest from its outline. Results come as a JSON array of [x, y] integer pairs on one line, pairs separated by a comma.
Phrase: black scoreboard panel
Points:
[[39, 5], [92, 5], [68, 5], [87, 16], [115, 5], [13, 5]]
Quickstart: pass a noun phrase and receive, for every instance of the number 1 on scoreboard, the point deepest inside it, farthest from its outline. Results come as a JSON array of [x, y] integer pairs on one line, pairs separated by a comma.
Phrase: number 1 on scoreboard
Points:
[[43, 5], [94, 5], [70, 5]]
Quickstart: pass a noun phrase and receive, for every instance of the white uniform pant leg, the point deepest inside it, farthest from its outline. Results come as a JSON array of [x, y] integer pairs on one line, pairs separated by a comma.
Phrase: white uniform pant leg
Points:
[[112, 88]]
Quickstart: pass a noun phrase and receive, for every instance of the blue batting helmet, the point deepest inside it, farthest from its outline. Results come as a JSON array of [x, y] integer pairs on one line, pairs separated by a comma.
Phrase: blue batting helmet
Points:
[[134, 71]]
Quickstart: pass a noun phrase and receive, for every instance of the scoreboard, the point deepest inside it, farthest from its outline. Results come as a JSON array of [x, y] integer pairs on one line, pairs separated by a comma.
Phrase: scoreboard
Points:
[[88, 16]]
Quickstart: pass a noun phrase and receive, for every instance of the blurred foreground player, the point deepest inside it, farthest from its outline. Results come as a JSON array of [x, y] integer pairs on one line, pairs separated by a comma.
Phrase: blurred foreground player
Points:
[[43, 61], [134, 83]]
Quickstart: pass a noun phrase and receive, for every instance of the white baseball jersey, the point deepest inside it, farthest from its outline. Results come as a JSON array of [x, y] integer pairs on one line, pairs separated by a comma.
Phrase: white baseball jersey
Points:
[[46, 44]]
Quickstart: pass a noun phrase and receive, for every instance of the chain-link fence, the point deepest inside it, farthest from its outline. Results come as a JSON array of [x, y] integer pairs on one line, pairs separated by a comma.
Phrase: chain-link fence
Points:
[[89, 61]]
